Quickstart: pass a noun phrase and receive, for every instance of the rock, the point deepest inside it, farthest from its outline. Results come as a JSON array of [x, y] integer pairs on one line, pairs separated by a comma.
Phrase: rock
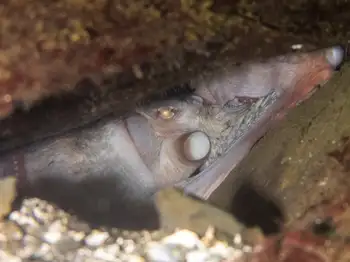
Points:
[[179, 210], [7, 195]]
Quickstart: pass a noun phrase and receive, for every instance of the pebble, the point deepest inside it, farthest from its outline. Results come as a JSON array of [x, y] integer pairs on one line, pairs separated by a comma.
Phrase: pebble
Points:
[[54, 233], [196, 256], [103, 254], [189, 248], [23, 220], [96, 238], [158, 252], [136, 258], [129, 246], [44, 251], [76, 236], [67, 244], [184, 238], [112, 249], [30, 246], [9, 258]]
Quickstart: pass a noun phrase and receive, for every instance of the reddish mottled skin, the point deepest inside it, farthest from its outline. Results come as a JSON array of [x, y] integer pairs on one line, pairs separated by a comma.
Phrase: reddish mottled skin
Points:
[[306, 84], [320, 72]]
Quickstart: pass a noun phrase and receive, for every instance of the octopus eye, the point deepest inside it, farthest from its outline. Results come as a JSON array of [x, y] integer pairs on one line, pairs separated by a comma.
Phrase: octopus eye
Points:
[[166, 112]]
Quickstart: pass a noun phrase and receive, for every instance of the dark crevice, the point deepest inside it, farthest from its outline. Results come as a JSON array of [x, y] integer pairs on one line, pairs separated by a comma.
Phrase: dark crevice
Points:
[[324, 227], [255, 208]]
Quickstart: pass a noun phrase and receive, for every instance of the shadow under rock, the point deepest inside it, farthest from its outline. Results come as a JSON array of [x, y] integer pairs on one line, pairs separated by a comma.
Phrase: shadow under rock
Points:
[[251, 205], [100, 201]]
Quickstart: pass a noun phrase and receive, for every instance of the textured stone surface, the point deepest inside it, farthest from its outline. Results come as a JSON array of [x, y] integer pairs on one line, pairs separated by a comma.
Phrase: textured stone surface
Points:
[[49, 47]]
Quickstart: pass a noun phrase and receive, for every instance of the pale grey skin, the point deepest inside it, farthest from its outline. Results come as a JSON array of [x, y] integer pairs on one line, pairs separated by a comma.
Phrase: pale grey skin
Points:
[[142, 151]]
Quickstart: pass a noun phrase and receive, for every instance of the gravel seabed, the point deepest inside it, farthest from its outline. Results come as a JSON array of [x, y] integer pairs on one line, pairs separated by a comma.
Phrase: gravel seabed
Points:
[[39, 231]]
